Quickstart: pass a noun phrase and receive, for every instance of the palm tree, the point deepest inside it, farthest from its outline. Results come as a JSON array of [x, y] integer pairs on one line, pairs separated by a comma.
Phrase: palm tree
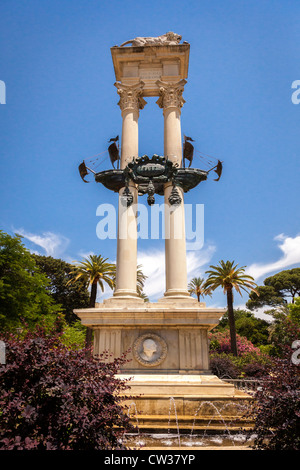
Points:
[[196, 287], [229, 277], [140, 281], [141, 278], [95, 270]]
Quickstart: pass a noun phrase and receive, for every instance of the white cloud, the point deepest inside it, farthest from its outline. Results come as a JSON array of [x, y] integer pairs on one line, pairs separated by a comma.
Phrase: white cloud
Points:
[[290, 248], [85, 254], [53, 244], [153, 266]]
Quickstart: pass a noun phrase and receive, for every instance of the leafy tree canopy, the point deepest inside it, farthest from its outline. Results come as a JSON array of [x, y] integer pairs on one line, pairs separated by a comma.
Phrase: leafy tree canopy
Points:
[[286, 283], [267, 295], [68, 295], [276, 290], [247, 325], [24, 295]]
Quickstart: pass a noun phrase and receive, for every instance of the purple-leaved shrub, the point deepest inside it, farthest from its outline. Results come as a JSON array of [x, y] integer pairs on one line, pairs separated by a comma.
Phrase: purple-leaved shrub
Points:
[[54, 397]]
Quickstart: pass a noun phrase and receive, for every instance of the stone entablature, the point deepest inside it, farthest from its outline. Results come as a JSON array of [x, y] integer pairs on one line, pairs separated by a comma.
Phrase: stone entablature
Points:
[[150, 64]]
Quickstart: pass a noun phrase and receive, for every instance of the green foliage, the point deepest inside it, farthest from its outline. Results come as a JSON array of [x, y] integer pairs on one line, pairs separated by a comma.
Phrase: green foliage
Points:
[[294, 311], [74, 335], [250, 365], [286, 283], [228, 276], [285, 328], [140, 282], [23, 288], [196, 287], [276, 289], [94, 270], [264, 295], [254, 329], [68, 295]]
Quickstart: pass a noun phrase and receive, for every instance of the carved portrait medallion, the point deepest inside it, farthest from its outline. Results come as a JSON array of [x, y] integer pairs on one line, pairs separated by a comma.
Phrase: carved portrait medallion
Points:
[[150, 349]]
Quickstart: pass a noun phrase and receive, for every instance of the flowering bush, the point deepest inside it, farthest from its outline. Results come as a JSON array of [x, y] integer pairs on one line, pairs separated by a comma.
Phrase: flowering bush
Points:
[[248, 366], [220, 343], [276, 408], [54, 397]]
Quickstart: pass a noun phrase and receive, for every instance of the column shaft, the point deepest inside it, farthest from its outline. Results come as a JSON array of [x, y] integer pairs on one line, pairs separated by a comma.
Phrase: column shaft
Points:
[[175, 246], [126, 273]]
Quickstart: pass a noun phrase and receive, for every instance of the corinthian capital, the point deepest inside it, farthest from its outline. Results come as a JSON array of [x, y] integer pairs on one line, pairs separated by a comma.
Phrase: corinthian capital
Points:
[[170, 94], [131, 96]]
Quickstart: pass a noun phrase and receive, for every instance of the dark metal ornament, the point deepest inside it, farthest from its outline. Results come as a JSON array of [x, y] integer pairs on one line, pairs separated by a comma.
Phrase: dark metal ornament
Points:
[[83, 171], [188, 152], [148, 173], [113, 151], [127, 197], [150, 191], [174, 198]]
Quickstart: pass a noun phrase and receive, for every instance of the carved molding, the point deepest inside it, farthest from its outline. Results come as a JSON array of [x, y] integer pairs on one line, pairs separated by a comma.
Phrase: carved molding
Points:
[[131, 96], [170, 94]]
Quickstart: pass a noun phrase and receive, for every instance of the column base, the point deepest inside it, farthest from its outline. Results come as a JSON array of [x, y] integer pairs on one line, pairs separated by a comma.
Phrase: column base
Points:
[[124, 293], [177, 294]]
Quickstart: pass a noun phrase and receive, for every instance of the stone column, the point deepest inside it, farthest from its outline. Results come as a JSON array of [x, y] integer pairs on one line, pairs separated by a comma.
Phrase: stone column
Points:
[[171, 101], [126, 276]]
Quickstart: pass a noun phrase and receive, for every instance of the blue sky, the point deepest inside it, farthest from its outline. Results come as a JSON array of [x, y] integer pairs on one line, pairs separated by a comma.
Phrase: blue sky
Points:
[[61, 107]]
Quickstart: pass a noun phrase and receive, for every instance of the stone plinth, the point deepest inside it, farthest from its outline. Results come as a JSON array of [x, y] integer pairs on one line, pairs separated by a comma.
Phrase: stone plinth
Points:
[[167, 337]]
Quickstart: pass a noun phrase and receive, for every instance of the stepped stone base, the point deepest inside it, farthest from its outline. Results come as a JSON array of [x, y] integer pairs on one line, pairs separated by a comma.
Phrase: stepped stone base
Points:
[[185, 402]]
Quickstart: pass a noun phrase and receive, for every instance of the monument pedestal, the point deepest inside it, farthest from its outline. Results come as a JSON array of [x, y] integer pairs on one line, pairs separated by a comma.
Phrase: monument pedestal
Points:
[[168, 353], [166, 337]]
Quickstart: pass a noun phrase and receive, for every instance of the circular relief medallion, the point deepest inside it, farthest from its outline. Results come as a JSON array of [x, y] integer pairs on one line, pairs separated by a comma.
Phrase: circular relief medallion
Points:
[[150, 349]]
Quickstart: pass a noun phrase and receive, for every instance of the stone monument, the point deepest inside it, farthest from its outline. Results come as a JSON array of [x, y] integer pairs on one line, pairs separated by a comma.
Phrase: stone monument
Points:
[[168, 339]]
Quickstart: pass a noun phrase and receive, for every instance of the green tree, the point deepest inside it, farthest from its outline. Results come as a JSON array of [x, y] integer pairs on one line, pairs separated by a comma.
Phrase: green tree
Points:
[[24, 295], [96, 271], [264, 295], [141, 278], [196, 287], [247, 325], [286, 283], [294, 311], [68, 295], [285, 327], [228, 276], [140, 282]]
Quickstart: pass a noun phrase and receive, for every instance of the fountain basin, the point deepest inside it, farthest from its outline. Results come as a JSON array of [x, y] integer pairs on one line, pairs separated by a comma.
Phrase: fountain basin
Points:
[[185, 403]]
